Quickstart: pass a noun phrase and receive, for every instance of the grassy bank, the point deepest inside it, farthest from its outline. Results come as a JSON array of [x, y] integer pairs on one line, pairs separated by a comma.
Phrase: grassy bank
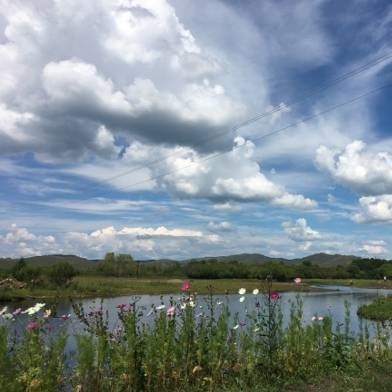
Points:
[[98, 286], [379, 310], [361, 283]]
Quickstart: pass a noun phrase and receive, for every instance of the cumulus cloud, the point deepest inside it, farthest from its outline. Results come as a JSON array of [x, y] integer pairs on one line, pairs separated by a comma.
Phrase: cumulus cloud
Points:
[[374, 209], [301, 231], [375, 247], [140, 241], [67, 95], [365, 171]]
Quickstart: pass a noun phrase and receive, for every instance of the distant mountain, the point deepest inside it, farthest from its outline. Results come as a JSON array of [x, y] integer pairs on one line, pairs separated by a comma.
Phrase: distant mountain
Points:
[[80, 263], [83, 264], [322, 259]]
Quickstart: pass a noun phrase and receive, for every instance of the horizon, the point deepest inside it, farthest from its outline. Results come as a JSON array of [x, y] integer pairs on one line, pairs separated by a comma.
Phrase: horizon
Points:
[[166, 129]]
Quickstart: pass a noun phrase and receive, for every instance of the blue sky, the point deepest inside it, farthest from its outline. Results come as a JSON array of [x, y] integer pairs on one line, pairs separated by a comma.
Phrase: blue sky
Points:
[[118, 128]]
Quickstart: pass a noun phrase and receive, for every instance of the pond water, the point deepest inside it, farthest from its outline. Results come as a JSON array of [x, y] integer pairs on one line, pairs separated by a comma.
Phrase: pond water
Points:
[[323, 303]]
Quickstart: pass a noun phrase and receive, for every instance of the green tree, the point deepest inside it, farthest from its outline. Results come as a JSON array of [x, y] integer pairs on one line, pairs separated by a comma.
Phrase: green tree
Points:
[[61, 273]]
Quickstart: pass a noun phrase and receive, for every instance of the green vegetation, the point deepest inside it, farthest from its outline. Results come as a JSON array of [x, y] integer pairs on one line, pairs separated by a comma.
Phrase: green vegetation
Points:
[[380, 310], [175, 347], [120, 274]]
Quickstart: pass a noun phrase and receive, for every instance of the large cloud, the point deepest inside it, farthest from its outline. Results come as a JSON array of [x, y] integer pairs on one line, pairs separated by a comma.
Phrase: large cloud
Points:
[[365, 171], [78, 75]]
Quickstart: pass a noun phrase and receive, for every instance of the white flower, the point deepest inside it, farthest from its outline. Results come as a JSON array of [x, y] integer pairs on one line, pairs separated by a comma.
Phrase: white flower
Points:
[[314, 318], [257, 329], [4, 310], [242, 299], [150, 312], [192, 304], [236, 326], [320, 318], [34, 309], [255, 291], [241, 291], [8, 316], [219, 303], [160, 307], [182, 306]]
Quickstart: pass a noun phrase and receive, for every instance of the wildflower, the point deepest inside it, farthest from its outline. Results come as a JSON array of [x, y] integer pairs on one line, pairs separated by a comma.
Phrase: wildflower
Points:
[[242, 325], [47, 313], [242, 299], [255, 291], [4, 310], [171, 312], [274, 295], [16, 312], [65, 317], [121, 306], [241, 291], [34, 309], [160, 307], [314, 318], [257, 329], [8, 316], [219, 303], [32, 325], [192, 304], [297, 280], [197, 368], [320, 318], [236, 326], [186, 286]]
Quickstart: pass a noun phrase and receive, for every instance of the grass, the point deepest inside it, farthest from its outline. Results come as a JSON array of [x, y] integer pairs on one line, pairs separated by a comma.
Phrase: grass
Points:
[[102, 286], [361, 283], [379, 310]]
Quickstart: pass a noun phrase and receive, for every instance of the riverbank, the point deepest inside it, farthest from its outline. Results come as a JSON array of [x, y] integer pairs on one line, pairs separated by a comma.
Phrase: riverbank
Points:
[[98, 286], [360, 283]]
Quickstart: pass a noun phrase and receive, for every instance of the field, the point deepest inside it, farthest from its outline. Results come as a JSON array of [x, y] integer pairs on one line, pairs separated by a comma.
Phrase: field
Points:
[[98, 286]]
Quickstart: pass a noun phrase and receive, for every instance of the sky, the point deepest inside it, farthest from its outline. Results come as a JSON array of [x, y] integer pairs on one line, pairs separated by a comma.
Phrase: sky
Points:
[[124, 127]]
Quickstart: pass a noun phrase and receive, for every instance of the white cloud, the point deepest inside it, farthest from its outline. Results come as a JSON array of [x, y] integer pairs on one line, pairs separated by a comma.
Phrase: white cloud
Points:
[[375, 247], [300, 231], [365, 171], [374, 209], [220, 226]]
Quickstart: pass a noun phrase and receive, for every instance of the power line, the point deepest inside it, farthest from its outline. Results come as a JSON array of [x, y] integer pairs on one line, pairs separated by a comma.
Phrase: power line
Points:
[[259, 116]]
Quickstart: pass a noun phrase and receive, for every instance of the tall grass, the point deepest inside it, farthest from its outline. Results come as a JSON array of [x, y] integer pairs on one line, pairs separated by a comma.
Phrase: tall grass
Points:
[[185, 348]]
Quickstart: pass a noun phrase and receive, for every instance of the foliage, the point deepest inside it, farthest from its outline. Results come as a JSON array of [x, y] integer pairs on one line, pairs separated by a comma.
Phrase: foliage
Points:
[[61, 273], [181, 346], [380, 309]]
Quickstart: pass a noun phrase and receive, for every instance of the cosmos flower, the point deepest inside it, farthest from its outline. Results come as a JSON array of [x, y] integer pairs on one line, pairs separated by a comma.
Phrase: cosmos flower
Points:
[[65, 317], [186, 286], [297, 280], [171, 312], [242, 291], [16, 312], [236, 326], [34, 309], [242, 299], [8, 316], [255, 291], [4, 310], [47, 313], [274, 295], [32, 325], [121, 306]]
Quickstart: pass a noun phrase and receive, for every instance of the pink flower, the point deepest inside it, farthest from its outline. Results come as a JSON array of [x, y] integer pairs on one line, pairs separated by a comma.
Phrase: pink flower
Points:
[[297, 280], [171, 311], [186, 286], [32, 325], [16, 312], [121, 306], [242, 325], [274, 295]]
